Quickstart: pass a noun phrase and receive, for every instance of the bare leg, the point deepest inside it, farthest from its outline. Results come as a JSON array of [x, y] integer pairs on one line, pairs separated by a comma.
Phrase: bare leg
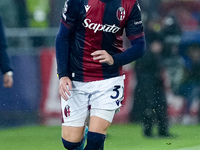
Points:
[[72, 134], [98, 125]]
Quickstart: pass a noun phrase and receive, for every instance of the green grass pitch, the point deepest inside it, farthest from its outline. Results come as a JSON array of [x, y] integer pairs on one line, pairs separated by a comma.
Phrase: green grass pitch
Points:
[[120, 137]]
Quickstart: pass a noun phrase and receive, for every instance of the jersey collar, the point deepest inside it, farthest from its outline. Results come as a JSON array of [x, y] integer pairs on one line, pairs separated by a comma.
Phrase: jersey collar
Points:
[[106, 1]]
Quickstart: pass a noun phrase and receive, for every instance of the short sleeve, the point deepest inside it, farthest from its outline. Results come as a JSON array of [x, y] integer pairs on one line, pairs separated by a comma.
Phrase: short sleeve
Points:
[[134, 27], [71, 12]]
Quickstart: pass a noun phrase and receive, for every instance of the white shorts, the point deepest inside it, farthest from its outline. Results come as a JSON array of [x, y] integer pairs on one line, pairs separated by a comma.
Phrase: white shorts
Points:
[[102, 98]]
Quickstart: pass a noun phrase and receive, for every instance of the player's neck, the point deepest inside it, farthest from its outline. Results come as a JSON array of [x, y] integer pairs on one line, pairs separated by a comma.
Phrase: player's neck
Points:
[[106, 1]]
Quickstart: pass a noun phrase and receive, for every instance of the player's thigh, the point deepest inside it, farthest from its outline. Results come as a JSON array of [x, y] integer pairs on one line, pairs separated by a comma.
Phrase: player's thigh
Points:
[[98, 125], [100, 120], [109, 94], [74, 113], [105, 102], [72, 134]]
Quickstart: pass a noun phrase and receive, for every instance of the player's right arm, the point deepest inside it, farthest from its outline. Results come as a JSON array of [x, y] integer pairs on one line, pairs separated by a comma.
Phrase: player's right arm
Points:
[[68, 22]]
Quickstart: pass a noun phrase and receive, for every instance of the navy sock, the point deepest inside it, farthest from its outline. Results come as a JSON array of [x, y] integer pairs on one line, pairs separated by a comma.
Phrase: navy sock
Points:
[[95, 141], [70, 145]]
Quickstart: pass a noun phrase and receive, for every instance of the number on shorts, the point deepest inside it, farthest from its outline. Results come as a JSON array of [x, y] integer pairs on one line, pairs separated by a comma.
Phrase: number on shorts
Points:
[[116, 89]]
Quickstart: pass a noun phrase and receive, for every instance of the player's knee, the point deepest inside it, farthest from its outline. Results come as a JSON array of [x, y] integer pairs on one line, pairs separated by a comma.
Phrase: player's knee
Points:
[[70, 145], [95, 141]]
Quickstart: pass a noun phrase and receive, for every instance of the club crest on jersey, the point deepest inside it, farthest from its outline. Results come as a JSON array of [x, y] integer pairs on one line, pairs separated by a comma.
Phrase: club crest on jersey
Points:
[[120, 13], [67, 111]]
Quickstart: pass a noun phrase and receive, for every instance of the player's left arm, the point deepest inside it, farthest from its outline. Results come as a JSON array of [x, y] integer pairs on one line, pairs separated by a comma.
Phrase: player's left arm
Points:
[[136, 51], [135, 33]]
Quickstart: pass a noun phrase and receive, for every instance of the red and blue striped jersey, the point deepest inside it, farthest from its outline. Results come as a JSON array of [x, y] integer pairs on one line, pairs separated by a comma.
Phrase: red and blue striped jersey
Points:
[[98, 25]]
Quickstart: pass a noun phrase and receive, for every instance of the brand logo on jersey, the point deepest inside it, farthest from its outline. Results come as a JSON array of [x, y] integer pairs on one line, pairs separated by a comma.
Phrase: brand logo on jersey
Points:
[[87, 7], [99, 27], [120, 13], [67, 111]]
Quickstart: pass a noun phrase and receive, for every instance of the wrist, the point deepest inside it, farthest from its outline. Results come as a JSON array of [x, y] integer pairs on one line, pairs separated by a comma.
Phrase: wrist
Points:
[[116, 59], [64, 74], [9, 73]]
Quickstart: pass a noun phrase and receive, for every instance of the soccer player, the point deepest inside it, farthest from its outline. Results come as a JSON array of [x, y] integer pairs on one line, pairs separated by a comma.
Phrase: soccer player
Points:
[[4, 60], [90, 57]]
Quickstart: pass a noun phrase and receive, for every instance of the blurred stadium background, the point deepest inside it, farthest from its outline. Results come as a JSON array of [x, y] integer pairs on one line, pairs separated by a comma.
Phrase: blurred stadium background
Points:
[[31, 27]]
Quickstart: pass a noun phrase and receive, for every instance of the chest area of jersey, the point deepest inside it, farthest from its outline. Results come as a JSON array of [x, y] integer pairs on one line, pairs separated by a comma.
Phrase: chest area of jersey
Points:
[[106, 17]]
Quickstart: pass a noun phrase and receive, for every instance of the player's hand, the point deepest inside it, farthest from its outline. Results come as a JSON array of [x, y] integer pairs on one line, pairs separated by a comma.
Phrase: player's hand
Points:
[[7, 80], [103, 57], [65, 87]]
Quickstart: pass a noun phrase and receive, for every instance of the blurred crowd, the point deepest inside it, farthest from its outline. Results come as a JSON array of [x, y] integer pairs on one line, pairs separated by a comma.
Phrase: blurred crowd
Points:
[[31, 13], [171, 65]]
